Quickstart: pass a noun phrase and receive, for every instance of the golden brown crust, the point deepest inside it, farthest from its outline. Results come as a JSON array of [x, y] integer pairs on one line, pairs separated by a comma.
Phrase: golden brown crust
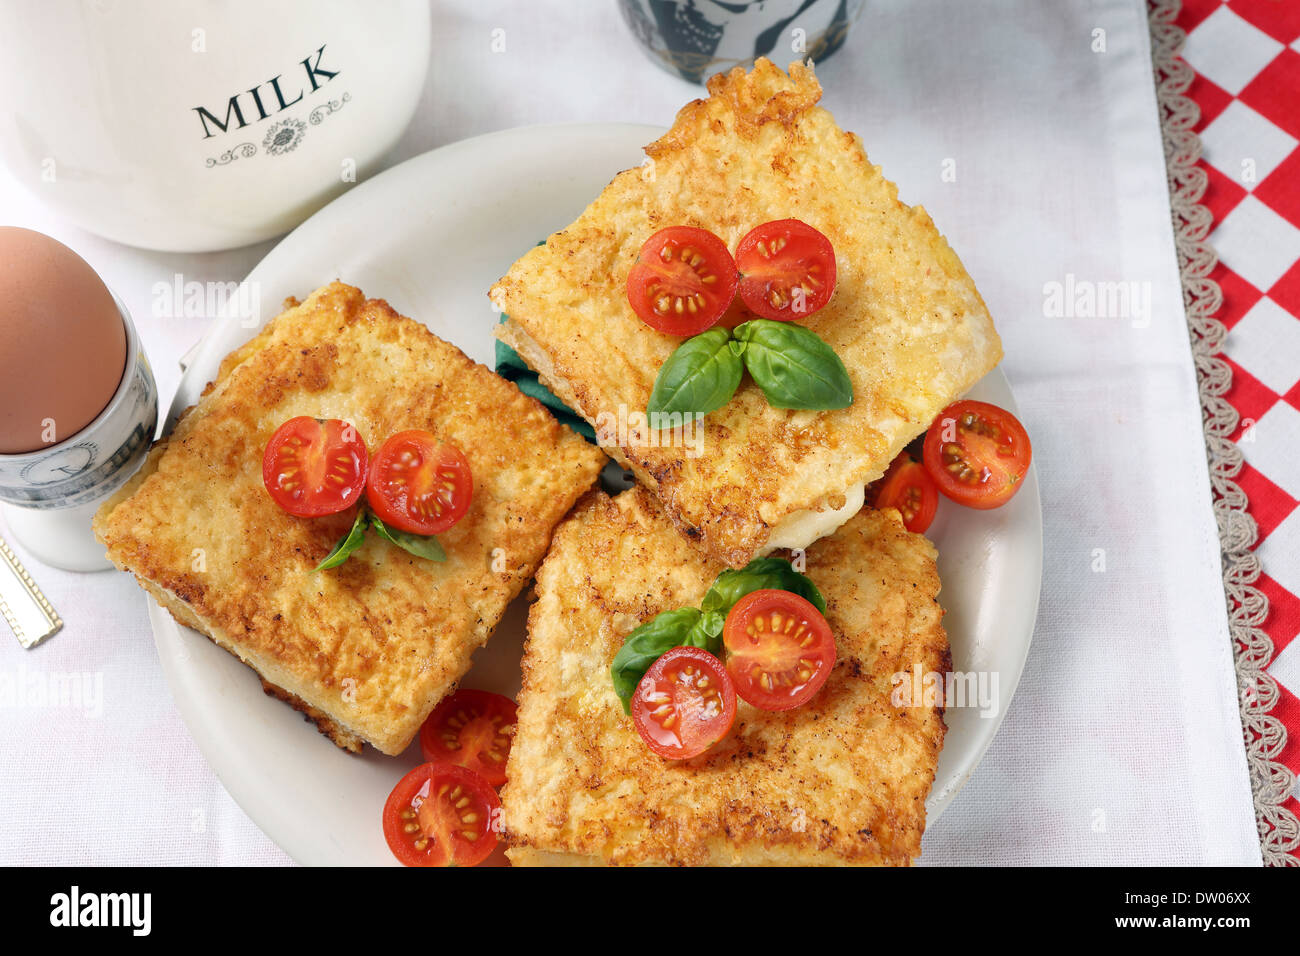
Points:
[[842, 780], [369, 648], [906, 318], [185, 616], [323, 721]]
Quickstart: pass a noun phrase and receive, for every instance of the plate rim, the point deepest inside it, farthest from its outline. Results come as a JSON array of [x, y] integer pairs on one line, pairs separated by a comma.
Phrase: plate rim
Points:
[[263, 812]]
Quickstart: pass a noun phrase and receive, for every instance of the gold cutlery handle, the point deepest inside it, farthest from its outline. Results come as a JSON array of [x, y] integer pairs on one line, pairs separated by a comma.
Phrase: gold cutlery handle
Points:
[[27, 610]]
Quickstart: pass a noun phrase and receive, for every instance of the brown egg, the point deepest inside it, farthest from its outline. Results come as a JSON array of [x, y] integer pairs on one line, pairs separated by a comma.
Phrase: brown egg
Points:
[[62, 342]]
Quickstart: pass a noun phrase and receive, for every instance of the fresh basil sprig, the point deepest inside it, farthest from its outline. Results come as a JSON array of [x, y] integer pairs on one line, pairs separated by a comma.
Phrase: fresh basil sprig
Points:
[[706, 633], [761, 573], [646, 645], [691, 627], [346, 544], [793, 367], [700, 376], [421, 545]]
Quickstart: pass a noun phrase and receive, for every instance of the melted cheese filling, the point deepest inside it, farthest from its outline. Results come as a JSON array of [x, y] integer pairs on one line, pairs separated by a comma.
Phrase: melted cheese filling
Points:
[[801, 528]]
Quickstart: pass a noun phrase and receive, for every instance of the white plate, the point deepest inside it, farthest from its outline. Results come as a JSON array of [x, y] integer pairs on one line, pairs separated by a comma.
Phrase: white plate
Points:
[[431, 236]]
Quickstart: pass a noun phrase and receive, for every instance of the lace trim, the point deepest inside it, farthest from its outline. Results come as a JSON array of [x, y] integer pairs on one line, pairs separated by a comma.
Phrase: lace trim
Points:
[[1265, 735]]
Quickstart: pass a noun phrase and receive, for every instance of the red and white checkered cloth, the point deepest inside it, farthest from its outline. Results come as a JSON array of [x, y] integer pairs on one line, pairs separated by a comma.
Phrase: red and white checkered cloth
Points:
[[1246, 54]]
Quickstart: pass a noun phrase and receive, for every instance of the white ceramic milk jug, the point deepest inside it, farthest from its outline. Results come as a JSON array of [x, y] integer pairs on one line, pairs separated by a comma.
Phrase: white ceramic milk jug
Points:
[[192, 125]]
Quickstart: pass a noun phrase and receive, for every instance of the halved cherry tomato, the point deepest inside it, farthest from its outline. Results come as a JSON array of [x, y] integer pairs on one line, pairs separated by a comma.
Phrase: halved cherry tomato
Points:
[[977, 454], [473, 729], [908, 487], [787, 269], [683, 280], [684, 704], [780, 649], [418, 485], [313, 466], [442, 815]]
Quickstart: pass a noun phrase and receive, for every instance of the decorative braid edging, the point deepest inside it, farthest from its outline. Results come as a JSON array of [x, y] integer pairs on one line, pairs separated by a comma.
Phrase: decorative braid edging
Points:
[[1265, 735]]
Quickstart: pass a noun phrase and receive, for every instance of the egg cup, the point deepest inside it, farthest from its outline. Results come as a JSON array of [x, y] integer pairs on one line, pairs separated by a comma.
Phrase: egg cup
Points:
[[50, 495]]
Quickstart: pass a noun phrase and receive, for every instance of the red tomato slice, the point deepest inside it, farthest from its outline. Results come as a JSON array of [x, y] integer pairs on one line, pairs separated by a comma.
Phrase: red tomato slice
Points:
[[683, 281], [473, 729], [787, 270], [908, 487], [442, 815], [418, 485], [684, 704], [313, 467], [780, 649], [977, 454]]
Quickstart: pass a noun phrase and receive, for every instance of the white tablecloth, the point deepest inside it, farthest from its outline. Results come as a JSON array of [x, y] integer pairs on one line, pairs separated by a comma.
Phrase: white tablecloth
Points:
[[1123, 744]]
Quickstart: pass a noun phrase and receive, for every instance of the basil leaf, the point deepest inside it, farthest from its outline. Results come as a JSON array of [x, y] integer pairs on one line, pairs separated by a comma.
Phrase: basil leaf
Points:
[[706, 633], [793, 367], [646, 645], [778, 573], [700, 377], [420, 545], [346, 544]]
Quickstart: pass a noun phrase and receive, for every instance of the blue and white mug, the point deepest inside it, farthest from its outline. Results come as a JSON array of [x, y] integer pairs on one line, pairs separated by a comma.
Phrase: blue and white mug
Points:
[[697, 38]]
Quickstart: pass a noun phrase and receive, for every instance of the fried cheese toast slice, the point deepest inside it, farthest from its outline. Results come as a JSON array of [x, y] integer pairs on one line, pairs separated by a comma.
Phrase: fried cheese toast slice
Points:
[[840, 780], [905, 319], [369, 648]]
